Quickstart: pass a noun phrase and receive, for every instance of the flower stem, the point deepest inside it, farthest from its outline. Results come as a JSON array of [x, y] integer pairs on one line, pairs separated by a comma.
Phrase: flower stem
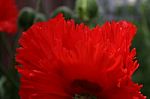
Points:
[[8, 48], [17, 36], [38, 6], [13, 82], [6, 44]]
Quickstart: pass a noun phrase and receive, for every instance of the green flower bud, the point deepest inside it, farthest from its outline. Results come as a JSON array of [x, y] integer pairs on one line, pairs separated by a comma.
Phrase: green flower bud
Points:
[[39, 17], [86, 9], [26, 18], [64, 10]]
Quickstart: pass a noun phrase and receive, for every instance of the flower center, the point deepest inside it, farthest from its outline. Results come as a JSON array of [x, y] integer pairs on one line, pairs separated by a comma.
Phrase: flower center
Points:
[[84, 96], [85, 89]]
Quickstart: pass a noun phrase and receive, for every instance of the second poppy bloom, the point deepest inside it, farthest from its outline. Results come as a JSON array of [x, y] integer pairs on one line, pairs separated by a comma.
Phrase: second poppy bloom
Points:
[[8, 16]]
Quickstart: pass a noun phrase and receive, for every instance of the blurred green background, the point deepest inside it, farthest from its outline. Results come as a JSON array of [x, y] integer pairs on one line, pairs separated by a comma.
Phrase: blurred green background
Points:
[[91, 12]]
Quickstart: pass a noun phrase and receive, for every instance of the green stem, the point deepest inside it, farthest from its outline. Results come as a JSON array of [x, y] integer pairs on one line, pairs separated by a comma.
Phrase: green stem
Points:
[[8, 48], [6, 44], [13, 82], [17, 36], [38, 6]]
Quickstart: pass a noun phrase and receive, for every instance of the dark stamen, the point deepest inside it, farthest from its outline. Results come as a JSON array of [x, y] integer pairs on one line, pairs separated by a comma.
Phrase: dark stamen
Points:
[[86, 85], [84, 96]]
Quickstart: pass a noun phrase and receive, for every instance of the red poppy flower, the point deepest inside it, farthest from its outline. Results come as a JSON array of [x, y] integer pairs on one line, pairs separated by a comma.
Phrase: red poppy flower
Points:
[[8, 16], [60, 59]]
